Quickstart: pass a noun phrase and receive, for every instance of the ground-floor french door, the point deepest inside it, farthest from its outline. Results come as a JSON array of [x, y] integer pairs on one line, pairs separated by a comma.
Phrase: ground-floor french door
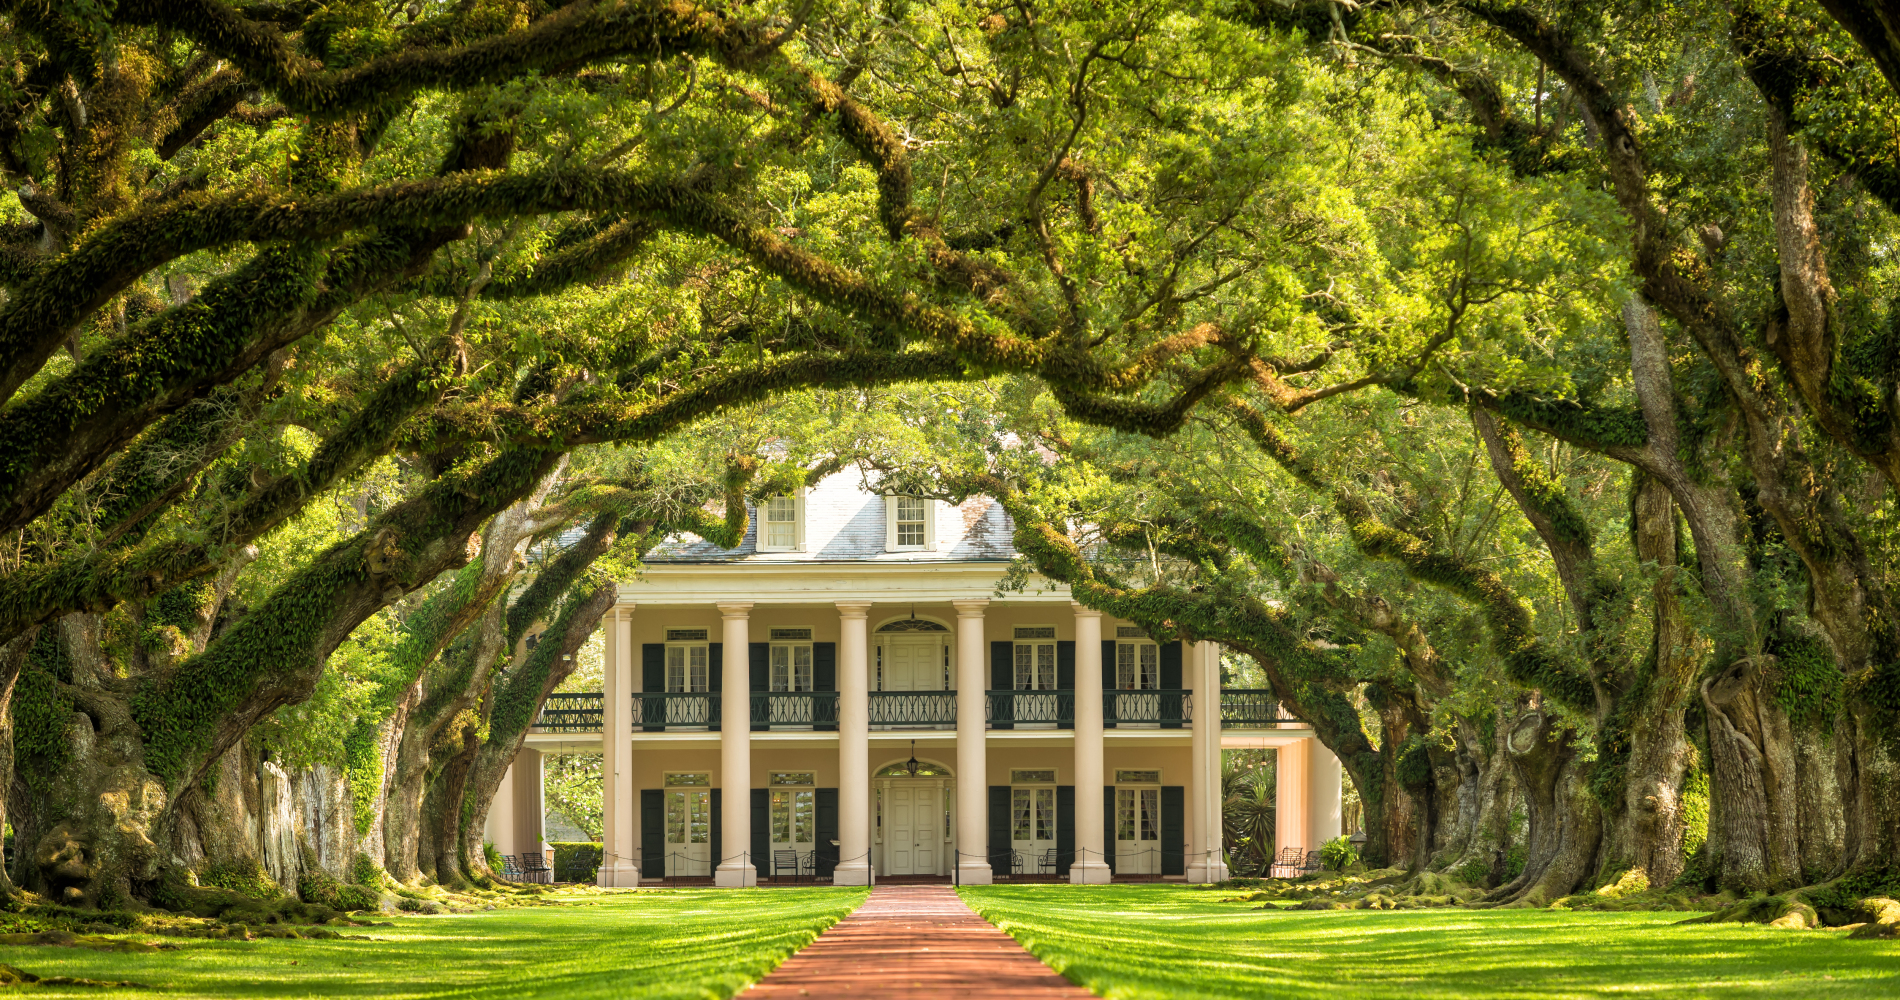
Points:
[[689, 831], [912, 819], [1138, 830], [794, 818], [1032, 826]]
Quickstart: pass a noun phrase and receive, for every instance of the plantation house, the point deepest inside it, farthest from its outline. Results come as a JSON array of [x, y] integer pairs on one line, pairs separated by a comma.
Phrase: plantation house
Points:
[[897, 717]]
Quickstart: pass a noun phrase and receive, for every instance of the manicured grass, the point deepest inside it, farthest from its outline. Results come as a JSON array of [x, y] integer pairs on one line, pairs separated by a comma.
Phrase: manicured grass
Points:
[[647, 944], [1141, 941]]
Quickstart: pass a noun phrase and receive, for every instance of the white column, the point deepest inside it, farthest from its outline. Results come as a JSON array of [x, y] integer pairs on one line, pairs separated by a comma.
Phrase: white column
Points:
[[973, 803], [1091, 864], [1290, 798], [854, 745], [1207, 816], [1195, 842], [1324, 812], [620, 865], [500, 828], [737, 868]]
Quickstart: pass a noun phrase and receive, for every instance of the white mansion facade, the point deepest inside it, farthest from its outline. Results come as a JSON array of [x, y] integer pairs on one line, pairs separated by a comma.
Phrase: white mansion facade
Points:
[[845, 694]]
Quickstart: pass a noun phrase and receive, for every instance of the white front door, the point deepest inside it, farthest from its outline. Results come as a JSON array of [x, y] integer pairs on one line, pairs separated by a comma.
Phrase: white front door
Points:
[[1032, 827], [913, 665], [912, 838], [689, 831], [1138, 831]]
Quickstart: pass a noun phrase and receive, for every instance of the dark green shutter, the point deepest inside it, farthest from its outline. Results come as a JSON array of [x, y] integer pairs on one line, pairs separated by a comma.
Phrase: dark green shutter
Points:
[[1000, 846], [717, 833], [1108, 683], [1173, 836], [1065, 829], [762, 831], [1108, 827], [824, 666], [652, 833], [1170, 682], [824, 680], [827, 822], [1002, 678], [653, 681], [1065, 681], [759, 664], [715, 668]]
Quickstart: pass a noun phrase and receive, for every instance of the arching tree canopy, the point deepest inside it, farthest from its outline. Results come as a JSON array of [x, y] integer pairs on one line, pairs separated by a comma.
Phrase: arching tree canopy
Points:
[[1510, 385]]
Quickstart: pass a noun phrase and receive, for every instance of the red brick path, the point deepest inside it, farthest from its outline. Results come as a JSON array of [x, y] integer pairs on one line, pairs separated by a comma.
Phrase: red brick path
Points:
[[915, 942]]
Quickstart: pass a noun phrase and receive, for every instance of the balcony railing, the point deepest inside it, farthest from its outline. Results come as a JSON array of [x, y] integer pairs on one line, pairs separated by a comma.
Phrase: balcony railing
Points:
[[818, 710], [1150, 709], [571, 713], [1254, 709], [913, 710], [660, 711], [1032, 709], [795, 710]]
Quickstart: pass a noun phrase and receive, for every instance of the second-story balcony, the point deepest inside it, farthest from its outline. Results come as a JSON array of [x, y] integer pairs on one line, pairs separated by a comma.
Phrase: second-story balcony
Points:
[[915, 710]]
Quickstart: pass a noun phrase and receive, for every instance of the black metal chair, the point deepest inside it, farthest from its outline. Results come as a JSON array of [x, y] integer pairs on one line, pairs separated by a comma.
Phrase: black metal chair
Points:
[[534, 868], [1048, 862], [786, 861], [808, 865], [1313, 863], [510, 868]]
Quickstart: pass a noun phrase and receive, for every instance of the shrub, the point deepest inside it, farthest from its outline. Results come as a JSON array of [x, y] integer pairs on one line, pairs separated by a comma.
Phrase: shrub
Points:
[[576, 862], [492, 855], [1338, 854]]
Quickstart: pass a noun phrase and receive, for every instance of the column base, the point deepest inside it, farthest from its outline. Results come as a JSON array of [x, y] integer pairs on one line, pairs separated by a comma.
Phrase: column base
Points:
[[618, 874], [858, 874], [1090, 873], [735, 876], [1206, 873], [974, 874]]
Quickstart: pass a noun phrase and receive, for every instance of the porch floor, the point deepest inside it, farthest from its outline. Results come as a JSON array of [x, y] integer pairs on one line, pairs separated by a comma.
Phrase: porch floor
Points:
[[917, 942]]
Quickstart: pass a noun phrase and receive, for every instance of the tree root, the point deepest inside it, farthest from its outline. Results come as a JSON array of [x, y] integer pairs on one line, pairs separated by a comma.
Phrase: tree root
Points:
[[10, 976]]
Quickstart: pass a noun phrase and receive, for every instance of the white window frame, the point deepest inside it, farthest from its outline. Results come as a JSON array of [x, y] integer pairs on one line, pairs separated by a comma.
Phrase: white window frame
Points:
[[686, 665], [890, 526], [1034, 646], [1135, 646], [791, 680], [798, 524]]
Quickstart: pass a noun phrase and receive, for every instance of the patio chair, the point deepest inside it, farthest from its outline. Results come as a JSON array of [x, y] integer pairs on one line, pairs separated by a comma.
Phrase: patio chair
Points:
[[808, 865], [1047, 863], [1312, 863], [783, 861], [534, 868]]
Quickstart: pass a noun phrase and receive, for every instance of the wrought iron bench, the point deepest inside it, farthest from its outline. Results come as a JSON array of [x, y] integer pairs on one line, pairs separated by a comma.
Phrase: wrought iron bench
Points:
[[1289, 863], [1312, 863], [534, 868], [510, 868]]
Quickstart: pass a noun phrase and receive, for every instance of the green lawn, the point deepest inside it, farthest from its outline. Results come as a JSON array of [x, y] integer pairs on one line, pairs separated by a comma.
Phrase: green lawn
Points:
[[654, 943], [1141, 941]]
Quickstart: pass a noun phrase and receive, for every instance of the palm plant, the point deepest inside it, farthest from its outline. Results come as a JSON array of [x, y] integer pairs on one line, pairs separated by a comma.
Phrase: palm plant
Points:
[[1247, 795]]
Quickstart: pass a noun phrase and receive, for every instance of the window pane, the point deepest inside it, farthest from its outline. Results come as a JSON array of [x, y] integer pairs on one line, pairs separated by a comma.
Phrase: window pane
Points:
[[1019, 814], [910, 521], [804, 825], [696, 661], [675, 668], [1151, 814], [1046, 667], [1150, 667], [781, 817], [1024, 653], [676, 817], [1125, 666], [702, 816], [1124, 814], [781, 667], [801, 668], [1045, 814]]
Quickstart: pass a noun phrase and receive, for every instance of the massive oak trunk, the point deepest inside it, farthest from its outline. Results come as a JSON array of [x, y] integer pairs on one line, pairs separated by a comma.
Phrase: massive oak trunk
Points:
[[1565, 822]]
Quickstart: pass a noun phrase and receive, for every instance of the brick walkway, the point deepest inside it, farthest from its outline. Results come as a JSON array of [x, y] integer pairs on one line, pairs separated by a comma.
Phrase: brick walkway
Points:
[[917, 942]]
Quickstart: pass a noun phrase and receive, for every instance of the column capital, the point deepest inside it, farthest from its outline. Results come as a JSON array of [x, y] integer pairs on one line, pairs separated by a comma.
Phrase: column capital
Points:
[[624, 608], [735, 609], [853, 609], [971, 608], [1082, 611]]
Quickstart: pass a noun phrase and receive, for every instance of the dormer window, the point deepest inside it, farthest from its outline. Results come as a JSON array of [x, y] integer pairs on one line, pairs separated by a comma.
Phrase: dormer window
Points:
[[910, 524], [782, 525]]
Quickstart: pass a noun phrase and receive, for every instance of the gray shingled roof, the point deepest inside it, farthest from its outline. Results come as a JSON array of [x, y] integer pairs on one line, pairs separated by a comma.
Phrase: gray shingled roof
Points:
[[845, 523]]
